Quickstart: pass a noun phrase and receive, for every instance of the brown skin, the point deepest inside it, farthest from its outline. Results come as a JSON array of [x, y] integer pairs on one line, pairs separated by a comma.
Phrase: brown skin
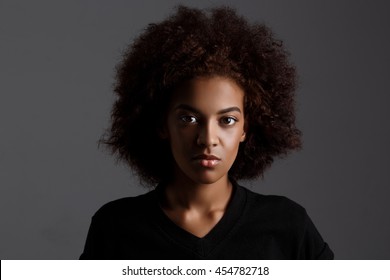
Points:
[[205, 117]]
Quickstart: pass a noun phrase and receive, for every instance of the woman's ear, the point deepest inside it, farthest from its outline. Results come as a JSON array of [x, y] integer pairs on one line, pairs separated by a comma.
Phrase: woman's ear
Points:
[[163, 133], [243, 136]]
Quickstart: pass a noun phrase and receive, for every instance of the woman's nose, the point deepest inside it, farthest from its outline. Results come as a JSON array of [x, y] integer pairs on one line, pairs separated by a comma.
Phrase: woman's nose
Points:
[[208, 135]]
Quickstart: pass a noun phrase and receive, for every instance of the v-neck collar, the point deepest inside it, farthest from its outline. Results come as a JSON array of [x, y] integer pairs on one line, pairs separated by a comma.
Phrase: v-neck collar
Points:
[[202, 246]]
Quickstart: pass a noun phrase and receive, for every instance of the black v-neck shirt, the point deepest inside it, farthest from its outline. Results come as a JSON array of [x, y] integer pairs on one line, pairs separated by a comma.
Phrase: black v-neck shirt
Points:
[[254, 226]]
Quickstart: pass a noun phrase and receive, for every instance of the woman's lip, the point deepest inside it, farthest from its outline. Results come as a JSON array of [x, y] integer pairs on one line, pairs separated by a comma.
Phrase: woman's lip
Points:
[[205, 160], [206, 157], [208, 162]]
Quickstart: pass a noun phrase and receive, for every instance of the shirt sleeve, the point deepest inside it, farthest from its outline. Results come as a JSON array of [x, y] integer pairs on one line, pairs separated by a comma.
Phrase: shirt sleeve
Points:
[[90, 244], [99, 241], [312, 246]]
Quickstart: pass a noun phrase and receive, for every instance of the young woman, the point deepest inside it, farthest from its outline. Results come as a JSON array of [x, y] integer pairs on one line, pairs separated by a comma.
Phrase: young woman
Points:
[[203, 101]]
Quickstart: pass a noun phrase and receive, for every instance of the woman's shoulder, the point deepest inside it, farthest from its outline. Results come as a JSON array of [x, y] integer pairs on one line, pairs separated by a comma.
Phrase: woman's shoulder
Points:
[[122, 206], [290, 224], [272, 202], [275, 210]]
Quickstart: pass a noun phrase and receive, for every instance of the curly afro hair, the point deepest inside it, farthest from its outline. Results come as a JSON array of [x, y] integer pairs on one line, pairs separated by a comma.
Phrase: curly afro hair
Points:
[[194, 43]]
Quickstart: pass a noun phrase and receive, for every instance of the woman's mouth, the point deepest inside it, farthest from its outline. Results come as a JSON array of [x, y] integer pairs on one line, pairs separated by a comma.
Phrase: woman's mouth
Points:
[[207, 160]]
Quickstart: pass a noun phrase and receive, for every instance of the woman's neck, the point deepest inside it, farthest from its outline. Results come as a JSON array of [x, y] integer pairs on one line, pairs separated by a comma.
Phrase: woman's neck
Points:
[[183, 193]]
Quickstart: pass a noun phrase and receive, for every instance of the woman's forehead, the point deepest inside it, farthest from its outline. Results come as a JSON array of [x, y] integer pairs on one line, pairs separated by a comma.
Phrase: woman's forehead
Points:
[[208, 94]]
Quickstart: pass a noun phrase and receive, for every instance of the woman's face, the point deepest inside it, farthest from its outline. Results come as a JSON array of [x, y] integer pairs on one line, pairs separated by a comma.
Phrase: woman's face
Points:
[[205, 125]]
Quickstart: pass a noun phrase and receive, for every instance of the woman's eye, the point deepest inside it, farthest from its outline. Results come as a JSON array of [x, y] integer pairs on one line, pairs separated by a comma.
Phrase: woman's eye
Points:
[[188, 119], [228, 121]]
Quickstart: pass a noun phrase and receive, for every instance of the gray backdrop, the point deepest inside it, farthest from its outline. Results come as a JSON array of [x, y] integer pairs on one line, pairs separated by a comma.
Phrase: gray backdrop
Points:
[[56, 70]]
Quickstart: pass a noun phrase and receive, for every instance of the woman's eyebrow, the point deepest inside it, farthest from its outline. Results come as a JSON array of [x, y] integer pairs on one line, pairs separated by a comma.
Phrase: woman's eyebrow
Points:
[[192, 109], [230, 109]]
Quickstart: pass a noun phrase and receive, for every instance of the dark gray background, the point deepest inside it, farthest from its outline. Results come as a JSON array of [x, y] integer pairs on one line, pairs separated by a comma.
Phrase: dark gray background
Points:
[[56, 70]]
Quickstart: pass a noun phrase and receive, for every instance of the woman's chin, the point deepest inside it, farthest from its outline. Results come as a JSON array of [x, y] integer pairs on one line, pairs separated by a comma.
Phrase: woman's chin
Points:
[[206, 178]]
